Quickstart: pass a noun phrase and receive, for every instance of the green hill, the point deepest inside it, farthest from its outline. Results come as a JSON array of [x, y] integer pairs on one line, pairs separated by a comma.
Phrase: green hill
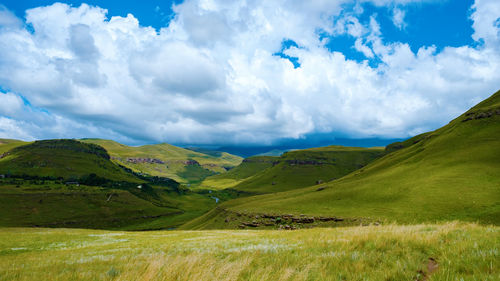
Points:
[[452, 173], [69, 159], [68, 183], [296, 169], [249, 167], [8, 144], [165, 160], [47, 203]]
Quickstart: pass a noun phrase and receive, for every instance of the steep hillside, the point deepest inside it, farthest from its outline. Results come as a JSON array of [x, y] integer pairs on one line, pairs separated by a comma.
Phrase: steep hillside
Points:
[[451, 173], [165, 160], [249, 167], [69, 159], [301, 168]]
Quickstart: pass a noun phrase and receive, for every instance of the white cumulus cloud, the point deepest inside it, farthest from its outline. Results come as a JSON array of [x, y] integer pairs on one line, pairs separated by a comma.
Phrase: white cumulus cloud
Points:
[[398, 18], [212, 75]]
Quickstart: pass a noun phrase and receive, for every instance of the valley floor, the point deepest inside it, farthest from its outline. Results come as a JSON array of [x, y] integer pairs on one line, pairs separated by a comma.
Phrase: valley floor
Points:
[[449, 251]]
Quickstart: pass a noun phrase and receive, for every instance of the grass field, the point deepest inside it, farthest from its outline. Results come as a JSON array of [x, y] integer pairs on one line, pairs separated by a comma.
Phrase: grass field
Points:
[[451, 251]]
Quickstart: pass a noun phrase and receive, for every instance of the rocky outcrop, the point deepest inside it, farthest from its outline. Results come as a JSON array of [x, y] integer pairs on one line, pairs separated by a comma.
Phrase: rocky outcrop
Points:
[[303, 220], [481, 115], [191, 162], [282, 221], [251, 160], [305, 162], [251, 224], [147, 160], [144, 160]]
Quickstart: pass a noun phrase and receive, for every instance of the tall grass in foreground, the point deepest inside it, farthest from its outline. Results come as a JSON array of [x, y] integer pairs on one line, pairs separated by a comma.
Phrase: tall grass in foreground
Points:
[[391, 252]]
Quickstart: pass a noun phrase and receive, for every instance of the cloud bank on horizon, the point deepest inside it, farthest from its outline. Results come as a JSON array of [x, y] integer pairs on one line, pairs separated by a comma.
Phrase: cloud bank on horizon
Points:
[[237, 72]]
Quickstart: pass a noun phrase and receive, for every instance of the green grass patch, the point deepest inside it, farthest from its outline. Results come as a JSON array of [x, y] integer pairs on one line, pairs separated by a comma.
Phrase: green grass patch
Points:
[[8, 144]]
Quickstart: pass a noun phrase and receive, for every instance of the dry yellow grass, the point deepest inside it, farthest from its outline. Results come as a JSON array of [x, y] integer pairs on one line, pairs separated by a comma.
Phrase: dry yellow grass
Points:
[[391, 252]]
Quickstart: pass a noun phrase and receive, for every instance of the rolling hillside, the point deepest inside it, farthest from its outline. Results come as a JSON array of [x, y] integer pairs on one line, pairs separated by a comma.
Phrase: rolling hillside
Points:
[[45, 203], [8, 144], [68, 183], [68, 159], [452, 173], [165, 160], [296, 169], [248, 168]]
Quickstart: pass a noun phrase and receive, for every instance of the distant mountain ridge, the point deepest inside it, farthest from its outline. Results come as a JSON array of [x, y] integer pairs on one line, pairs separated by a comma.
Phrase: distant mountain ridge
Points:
[[165, 160], [295, 169], [248, 168]]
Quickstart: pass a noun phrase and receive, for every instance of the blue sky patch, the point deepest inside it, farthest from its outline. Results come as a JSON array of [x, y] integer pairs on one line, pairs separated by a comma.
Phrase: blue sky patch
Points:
[[286, 44], [153, 13], [439, 24]]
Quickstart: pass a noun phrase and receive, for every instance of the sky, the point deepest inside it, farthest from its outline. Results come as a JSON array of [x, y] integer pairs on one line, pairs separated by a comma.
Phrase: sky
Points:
[[216, 72]]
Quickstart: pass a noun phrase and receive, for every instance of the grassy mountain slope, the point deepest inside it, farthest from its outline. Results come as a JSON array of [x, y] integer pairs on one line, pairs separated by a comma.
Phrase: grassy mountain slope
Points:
[[8, 144], [249, 167], [451, 173], [34, 194], [165, 160], [68, 159], [57, 205], [301, 168], [54, 204]]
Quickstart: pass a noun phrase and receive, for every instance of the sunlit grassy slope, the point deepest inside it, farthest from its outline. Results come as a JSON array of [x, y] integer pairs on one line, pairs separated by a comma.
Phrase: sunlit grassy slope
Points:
[[62, 158], [174, 162], [8, 144], [451, 251], [451, 173], [294, 169], [249, 167], [301, 168]]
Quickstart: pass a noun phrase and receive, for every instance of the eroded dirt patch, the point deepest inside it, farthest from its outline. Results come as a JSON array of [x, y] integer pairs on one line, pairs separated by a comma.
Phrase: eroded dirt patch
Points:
[[432, 267]]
